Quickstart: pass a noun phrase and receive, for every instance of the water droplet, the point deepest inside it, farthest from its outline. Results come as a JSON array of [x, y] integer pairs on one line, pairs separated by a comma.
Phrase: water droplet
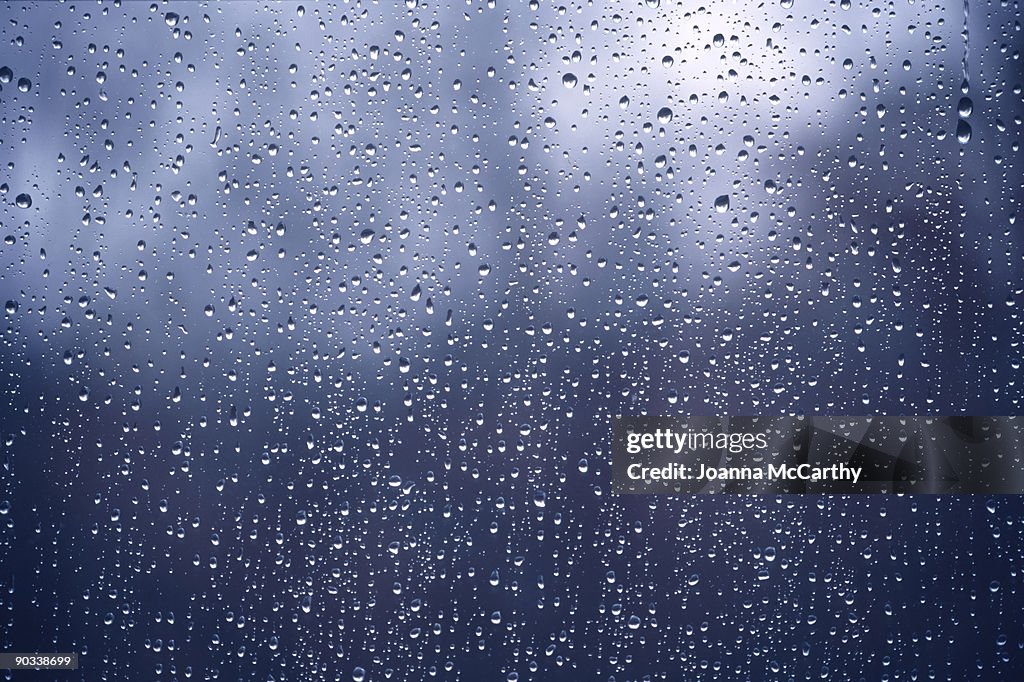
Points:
[[569, 80], [6, 75], [24, 84], [963, 131], [23, 200], [664, 115], [722, 203]]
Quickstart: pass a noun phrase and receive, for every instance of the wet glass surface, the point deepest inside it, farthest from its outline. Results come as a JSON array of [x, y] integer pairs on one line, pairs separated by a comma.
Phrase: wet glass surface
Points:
[[317, 314]]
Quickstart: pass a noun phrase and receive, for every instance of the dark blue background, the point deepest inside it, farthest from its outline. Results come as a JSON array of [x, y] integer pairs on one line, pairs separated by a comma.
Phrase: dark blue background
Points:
[[320, 312]]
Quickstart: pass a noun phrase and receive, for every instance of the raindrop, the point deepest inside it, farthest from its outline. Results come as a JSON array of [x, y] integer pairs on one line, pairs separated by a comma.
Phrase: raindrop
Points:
[[963, 131], [965, 106]]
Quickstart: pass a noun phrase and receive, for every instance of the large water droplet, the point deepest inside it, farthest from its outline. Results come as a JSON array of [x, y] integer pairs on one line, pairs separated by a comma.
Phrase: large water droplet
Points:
[[722, 203], [23, 200], [569, 80], [965, 107], [963, 131], [664, 115]]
